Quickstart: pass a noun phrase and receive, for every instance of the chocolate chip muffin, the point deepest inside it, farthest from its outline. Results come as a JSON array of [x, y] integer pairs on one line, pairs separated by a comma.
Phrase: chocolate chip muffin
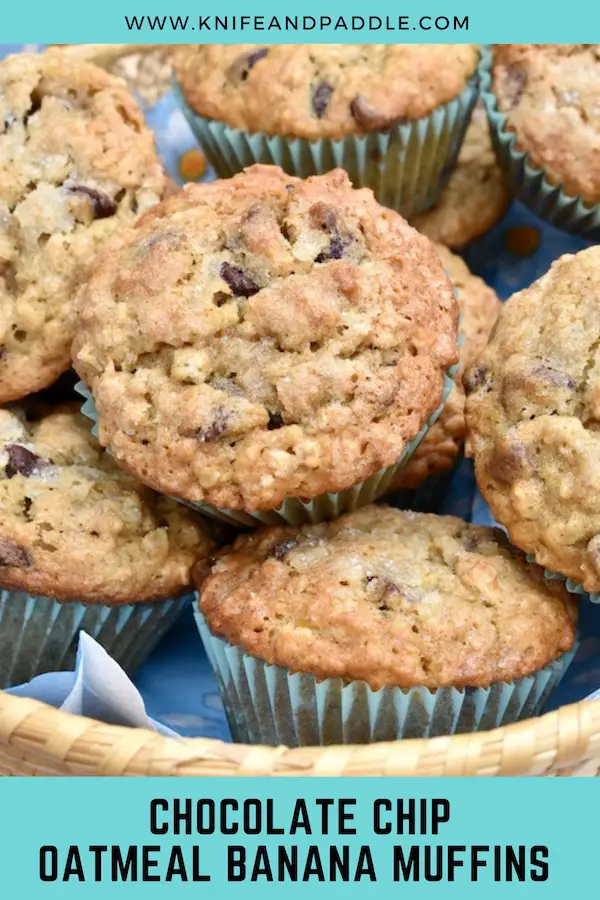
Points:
[[551, 96], [321, 90], [476, 196], [263, 337], [379, 625], [479, 306], [393, 117], [77, 166], [389, 597], [533, 411], [75, 527]]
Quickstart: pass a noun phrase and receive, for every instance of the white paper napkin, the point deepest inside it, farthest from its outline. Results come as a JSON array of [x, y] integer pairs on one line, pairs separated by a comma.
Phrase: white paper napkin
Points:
[[98, 689]]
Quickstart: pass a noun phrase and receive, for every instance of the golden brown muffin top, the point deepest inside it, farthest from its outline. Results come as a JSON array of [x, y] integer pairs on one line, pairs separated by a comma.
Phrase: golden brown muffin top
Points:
[[77, 166], [533, 414], [551, 95], [321, 90], [391, 598], [264, 337], [75, 527]]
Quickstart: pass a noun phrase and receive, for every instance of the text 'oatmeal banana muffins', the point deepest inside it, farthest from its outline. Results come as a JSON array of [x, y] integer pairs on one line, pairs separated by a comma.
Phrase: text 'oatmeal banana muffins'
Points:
[[264, 338], [77, 166], [393, 116], [382, 624], [83, 545], [533, 410], [439, 449], [542, 102]]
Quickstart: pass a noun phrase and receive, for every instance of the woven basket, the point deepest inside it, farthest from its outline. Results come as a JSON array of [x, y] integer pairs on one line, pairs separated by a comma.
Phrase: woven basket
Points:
[[38, 740]]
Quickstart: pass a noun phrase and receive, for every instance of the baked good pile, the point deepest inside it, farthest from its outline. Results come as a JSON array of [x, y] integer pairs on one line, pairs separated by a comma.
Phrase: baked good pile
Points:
[[281, 368]]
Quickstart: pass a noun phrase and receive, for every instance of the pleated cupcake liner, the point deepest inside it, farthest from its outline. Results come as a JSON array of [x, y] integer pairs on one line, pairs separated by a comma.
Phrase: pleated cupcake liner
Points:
[[526, 179], [572, 586], [40, 635], [294, 510], [269, 705], [407, 167]]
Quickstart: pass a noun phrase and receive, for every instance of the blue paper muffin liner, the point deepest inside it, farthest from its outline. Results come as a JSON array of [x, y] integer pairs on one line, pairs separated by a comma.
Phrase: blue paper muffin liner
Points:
[[39, 634], [295, 511], [526, 179], [407, 167], [270, 705], [572, 586]]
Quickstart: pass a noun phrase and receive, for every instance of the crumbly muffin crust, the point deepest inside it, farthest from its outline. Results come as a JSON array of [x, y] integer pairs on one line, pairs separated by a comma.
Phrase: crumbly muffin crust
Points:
[[321, 90], [476, 196], [390, 598], [146, 73], [479, 306], [77, 165], [265, 337], [533, 414], [551, 95], [75, 527]]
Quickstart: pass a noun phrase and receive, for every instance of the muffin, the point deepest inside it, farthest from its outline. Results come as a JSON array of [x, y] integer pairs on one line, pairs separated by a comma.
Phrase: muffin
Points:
[[543, 102], [533, 410], [393, 116], [262, 342], [439, 449], [380, 625], [83, 545], [77, 166], [476, 196], [145, 68]]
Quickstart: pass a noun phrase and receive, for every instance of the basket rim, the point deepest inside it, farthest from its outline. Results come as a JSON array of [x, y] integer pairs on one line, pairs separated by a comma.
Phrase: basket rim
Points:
[[38, 738]]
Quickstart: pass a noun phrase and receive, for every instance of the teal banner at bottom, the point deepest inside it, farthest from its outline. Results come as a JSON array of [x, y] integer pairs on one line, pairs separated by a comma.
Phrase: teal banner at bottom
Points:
[[294, 838]]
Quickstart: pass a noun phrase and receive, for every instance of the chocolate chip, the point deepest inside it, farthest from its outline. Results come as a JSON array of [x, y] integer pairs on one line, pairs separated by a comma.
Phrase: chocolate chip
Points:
[[370, 118], [385, 590], [22, 461], [334, 251], [514, 83], [323, 217], [13, 555], [243, 64], [35, 101], [510, 462], [104, 206], [241, 285], [553, 376], [2, 351], [275, 421], [27, 502], [280, 550], [476, 377], [471, 541], [215, 429], [321, 97]]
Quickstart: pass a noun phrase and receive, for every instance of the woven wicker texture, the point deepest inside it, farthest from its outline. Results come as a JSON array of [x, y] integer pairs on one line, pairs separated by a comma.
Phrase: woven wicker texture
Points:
[[38, 740]]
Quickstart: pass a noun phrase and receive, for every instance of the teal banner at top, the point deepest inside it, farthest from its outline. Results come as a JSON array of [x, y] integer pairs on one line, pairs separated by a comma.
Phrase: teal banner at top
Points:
[[329, 21]]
